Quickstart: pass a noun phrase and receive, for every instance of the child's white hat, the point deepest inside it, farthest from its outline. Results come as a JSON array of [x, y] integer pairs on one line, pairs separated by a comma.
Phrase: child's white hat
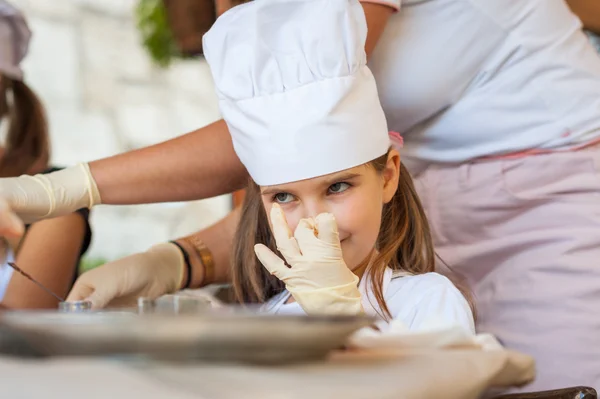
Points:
[[294, 88]]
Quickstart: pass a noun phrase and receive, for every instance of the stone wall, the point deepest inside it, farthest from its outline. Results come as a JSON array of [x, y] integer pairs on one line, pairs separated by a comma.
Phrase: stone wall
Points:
[[104, 96]]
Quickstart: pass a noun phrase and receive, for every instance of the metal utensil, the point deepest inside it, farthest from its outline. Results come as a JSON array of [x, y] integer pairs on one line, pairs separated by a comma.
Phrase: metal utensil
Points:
[[173, 304], [26, 275], [75, 306]]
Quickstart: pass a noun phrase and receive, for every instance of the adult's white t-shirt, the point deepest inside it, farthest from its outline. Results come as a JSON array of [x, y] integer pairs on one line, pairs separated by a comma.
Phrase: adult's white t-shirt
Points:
[[463, 79]]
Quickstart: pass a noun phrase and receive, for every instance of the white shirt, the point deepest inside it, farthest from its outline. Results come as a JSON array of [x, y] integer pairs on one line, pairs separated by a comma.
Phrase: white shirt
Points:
[[595, 39], [412, 299], [6, 273], [462, 79]]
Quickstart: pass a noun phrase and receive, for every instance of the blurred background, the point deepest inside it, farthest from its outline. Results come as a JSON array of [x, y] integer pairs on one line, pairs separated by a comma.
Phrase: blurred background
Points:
[[113, 78]]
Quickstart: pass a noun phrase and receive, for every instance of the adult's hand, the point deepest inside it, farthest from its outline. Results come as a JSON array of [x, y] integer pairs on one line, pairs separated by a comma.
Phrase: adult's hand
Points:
[[150, 274], [32, 198], [10, 224]]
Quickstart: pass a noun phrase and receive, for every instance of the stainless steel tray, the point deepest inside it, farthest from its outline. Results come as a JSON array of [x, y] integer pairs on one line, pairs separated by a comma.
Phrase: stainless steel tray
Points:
[[231, 337]]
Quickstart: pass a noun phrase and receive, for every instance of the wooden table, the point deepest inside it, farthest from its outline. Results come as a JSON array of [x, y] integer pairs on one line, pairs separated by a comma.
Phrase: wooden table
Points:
[[446, 374]]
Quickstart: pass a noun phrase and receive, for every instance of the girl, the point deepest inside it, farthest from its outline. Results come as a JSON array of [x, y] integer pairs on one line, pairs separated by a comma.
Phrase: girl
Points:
[[384, 237], [319, 169], [49, 250]]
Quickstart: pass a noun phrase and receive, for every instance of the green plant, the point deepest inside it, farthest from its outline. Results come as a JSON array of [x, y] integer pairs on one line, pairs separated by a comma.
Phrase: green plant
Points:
[[88, 264], [157, 38]]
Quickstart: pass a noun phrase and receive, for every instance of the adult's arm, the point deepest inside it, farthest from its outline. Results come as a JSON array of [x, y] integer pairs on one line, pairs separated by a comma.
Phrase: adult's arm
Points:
[[197, 165], [589, 13], [215, 242]]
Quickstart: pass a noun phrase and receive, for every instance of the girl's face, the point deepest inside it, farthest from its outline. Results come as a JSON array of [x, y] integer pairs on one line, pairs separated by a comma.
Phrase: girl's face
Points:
[[354, 196]]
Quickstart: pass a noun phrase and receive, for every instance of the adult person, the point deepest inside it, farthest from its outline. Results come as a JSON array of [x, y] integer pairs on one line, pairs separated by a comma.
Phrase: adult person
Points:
[[498, 104], [49, 250]]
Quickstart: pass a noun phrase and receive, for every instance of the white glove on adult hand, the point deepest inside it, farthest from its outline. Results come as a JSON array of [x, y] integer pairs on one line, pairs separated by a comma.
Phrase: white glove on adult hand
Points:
[[150, 274], [37, 197], [10, 224], [317, 276]]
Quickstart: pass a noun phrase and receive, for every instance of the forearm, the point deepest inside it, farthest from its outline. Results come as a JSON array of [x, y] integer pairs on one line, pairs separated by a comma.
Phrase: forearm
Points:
[[215, 241], [589, 13], [200, 164], [377, 16]]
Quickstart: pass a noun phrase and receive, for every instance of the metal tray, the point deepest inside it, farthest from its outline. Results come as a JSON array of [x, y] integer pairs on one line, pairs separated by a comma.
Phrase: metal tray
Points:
[[230, 337]]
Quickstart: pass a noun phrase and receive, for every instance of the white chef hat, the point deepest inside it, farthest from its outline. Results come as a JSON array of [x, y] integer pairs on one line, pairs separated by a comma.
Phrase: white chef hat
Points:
[[294, 88]]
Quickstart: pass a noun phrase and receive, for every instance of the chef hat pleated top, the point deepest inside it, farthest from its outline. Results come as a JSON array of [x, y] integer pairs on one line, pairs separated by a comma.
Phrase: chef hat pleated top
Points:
[[294, 88]]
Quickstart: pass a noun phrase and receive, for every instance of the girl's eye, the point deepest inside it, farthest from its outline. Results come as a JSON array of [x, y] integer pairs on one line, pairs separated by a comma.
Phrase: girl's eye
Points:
[[337, 188], [283, 198]]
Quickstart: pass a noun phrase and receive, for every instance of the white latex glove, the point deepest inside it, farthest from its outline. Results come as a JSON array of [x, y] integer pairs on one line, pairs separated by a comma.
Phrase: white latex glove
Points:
[[37, 197], [10, 224], [149, 274], [317, 276]]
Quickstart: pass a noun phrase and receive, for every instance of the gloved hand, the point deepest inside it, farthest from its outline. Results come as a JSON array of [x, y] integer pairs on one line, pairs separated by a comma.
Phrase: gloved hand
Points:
[[10, 227], [150, 274], [37, 197], [318, 277], [10, 224]]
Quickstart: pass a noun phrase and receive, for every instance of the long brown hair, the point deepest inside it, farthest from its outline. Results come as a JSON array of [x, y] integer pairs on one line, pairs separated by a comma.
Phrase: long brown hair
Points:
[[404, 243], [27, 139]]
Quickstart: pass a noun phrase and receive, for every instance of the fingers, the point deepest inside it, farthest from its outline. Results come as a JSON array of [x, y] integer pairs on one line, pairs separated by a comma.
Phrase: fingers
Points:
[[273, 263], [99, 295], [305, 234], [308, 233], [327, 228], [286, 243], [315, 233], [79, 292], [10, 224]]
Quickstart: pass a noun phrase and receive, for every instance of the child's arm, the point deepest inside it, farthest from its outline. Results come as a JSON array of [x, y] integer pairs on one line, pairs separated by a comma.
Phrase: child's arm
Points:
[[49, 252]]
